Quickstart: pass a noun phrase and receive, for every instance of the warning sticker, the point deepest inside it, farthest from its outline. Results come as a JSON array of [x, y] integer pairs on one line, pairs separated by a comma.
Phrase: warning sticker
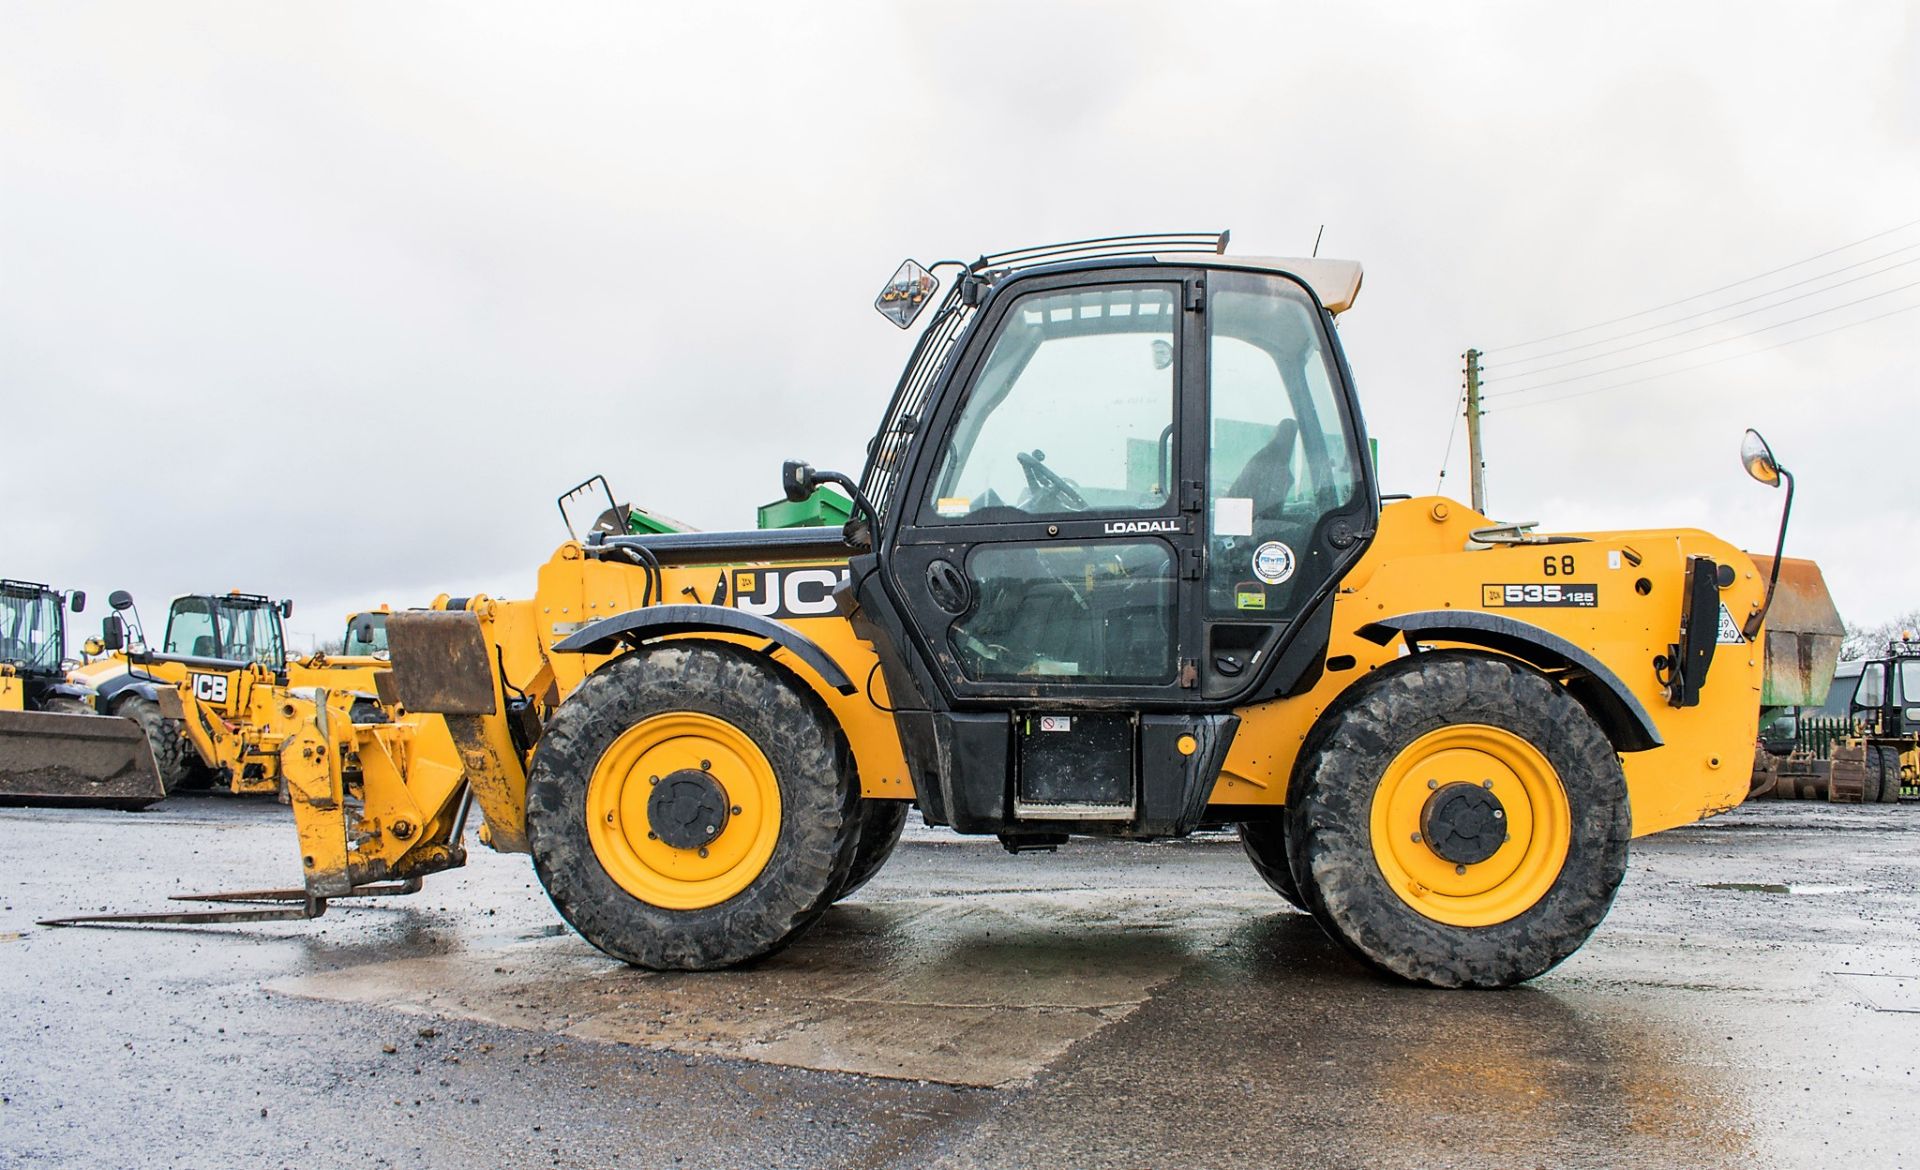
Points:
[[1729, 634], [1056, 723]]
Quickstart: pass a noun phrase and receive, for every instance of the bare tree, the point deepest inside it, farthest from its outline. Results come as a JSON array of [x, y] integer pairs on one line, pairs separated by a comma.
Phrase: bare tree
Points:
[[1865, 641]]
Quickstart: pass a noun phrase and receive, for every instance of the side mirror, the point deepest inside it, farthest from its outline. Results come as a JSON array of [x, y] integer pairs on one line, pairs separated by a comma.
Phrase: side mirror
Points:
[[78, 600], [797, 480], [906, 294], [113, 632], [120, 599], [1758, 459], [286, 608]]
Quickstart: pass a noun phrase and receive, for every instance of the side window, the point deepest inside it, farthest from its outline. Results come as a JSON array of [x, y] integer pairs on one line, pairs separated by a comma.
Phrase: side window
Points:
[[1072, 411], [1873, 685], [1279, 457], [190, 630]]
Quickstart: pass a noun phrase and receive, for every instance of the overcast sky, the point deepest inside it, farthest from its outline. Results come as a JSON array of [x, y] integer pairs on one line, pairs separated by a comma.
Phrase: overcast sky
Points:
[[330, 300]]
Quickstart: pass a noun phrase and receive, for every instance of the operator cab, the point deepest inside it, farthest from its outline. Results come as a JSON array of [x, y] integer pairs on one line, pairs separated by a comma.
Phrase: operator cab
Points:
[[366, 634], [232, 627], [1114, 496], [33, 632]]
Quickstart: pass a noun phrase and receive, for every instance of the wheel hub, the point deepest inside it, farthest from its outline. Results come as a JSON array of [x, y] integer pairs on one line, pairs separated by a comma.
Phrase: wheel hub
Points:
[[688, 809], [1464, 823]]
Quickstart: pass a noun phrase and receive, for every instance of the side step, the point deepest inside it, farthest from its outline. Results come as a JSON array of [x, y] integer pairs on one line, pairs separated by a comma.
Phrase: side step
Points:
[[75, 761]]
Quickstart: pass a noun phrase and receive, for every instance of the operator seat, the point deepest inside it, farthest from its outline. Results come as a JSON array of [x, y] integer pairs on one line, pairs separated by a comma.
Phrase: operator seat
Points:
[[1268, 475], [203, 646]]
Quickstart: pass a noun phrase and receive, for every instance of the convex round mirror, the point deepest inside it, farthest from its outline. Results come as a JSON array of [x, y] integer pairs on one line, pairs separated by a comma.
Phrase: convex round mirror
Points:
[[120, 599], [1758, 458]]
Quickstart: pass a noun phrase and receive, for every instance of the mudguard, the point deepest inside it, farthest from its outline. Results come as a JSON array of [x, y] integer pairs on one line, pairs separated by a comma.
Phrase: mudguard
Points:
[[1598, 688], [658, 621]]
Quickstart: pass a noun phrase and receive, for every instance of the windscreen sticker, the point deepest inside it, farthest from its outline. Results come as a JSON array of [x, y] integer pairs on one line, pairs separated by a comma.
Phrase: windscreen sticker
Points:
[[1273, 563], [1233, 516], [1729, 634], [951, 505], [1537, 596], [1250, 599]]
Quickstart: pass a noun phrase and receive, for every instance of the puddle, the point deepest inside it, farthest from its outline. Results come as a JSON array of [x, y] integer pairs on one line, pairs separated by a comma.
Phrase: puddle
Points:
[[1750, 887]]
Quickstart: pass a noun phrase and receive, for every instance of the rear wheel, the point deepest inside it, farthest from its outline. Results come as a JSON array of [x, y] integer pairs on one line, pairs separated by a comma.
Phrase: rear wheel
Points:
[[172, 754], [692, 806], [66, 705], [1266, 846], [1462, 821]]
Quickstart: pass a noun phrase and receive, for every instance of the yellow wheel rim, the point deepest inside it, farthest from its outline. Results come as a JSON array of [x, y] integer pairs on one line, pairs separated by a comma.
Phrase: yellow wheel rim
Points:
[[1521, 870], [617, 817]]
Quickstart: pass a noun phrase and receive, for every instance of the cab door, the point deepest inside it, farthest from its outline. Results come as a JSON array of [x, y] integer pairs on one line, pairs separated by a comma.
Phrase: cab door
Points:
[[1046, 547]]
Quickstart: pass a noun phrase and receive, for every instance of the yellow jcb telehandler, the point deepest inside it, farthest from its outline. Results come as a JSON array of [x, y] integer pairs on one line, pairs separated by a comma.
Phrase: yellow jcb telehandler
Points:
[[1120, 566], [211, 697]]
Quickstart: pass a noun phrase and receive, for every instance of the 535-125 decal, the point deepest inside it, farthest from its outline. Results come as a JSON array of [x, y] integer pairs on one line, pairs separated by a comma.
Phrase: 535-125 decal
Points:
[[1563, 593]]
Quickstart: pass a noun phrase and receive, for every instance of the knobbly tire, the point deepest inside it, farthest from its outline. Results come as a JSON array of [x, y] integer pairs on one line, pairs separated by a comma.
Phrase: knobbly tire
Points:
[[1399, 737], [753, 710], [1889, 775], [172, 754], [64, 705], [881, 822], [1266, 846]]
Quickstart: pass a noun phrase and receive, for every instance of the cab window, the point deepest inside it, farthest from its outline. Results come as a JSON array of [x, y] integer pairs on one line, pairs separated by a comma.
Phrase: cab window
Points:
[[1072, 410]]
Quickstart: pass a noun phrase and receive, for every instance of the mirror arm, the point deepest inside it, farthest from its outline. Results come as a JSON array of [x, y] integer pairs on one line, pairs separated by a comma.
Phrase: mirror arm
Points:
[[1752, 629]]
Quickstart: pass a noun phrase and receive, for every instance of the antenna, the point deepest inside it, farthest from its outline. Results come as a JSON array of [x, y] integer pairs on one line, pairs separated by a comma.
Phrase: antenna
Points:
[[1316, 241]]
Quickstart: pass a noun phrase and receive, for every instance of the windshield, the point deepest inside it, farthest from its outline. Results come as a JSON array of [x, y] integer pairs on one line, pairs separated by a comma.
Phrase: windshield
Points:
[[376, 630], [220, 627], [30, 633]]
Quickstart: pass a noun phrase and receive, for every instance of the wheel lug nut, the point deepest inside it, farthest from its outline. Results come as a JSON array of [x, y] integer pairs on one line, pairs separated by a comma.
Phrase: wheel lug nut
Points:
[[703, 851], [706, 765], [1416, 838], [1486, 784], [652, 836], [734, 811], [1499, 814], [1459, 869], [1433, 784], [653, 779]]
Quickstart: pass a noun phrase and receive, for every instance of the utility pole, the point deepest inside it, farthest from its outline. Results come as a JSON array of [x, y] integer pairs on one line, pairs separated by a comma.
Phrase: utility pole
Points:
[[1476, 456]]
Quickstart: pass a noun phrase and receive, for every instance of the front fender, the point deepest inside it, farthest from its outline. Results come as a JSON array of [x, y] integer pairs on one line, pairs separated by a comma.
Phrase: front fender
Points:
[[659, 621]]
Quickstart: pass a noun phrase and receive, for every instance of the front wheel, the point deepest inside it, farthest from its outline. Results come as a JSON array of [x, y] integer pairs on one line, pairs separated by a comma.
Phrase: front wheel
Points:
[[1460, 821], [173, 753], [692, 806]]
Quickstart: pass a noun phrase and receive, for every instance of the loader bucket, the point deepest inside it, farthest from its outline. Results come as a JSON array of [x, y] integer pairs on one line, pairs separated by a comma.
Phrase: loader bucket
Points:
[[75, 761], [1803, 633]]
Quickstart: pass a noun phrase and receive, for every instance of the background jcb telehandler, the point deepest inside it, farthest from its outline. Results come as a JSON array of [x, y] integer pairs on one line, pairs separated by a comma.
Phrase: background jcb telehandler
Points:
[[52, 749], [1120, 567], [210, 699]]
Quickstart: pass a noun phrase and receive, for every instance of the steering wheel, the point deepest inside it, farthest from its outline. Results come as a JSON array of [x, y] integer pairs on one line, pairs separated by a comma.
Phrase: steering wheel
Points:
[[1044, 480]]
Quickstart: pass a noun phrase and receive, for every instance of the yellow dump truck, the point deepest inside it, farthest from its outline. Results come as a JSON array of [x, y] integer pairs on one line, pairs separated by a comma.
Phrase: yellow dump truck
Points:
[[1120, 567]]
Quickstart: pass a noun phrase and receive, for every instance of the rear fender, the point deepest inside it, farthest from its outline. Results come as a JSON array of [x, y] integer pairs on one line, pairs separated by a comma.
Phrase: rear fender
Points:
[[1602, 692]]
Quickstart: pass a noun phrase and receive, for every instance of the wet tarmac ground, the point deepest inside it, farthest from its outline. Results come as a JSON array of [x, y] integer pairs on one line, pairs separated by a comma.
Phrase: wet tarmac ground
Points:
[[1753, 1000]]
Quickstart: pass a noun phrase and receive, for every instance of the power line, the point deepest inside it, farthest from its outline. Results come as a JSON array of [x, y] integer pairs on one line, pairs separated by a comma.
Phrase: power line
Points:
[[1711, 361], [1705, 344], [1709, 292], [1710, 324], [1540, 357], [1460, 405]]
